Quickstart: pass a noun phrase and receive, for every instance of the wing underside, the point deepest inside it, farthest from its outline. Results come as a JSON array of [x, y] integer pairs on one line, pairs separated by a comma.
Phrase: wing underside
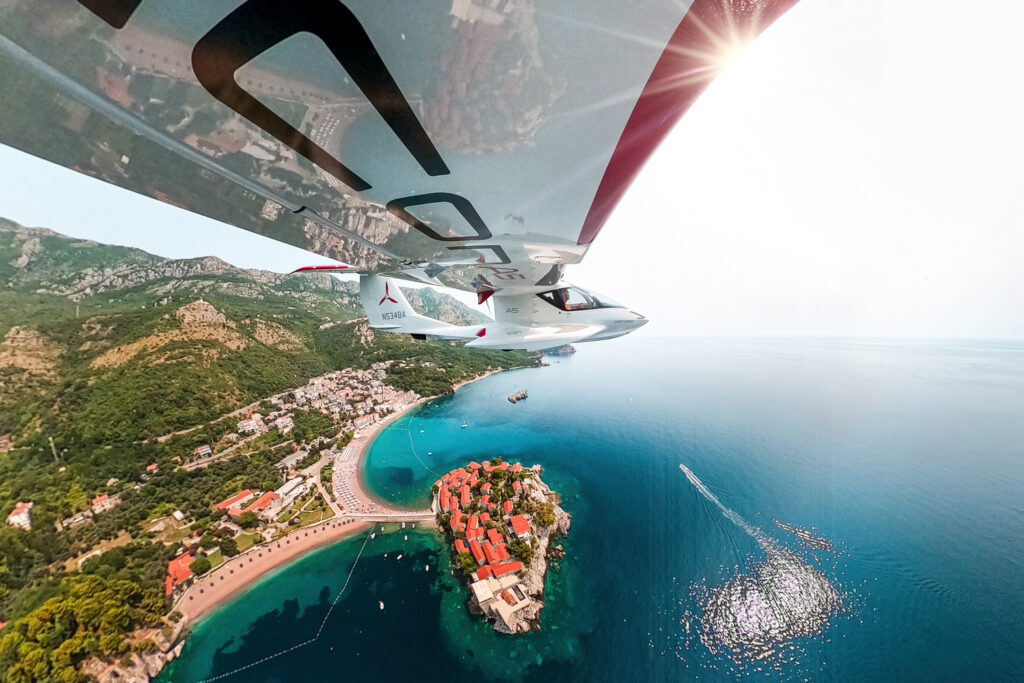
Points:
[[477, 144]]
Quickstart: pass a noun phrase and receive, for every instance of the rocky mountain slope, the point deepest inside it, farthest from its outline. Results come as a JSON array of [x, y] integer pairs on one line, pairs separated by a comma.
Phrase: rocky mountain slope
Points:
[[102, 344]]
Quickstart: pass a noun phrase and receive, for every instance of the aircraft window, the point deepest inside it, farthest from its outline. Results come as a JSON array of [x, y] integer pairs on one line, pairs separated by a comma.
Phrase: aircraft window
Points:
[[570, 299]]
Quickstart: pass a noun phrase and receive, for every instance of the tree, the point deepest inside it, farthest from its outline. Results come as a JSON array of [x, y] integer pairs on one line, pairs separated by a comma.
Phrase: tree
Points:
[[467, 563], [207, 541], [229, 546], [200, 565], [545, 515], [248, 520]]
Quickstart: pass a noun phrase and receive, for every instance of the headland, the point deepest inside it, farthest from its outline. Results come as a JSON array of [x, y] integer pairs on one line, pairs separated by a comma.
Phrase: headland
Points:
[[500, 522]]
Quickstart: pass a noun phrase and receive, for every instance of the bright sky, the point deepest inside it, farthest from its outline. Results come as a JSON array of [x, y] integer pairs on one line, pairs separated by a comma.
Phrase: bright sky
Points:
[[858, 170]]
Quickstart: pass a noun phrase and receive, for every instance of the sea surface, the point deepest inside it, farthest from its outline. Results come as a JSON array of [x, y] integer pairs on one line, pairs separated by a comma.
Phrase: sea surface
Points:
[[845, 510]]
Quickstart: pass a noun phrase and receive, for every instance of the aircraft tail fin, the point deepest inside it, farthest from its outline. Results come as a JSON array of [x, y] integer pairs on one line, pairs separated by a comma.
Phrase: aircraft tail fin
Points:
[[385, 305]]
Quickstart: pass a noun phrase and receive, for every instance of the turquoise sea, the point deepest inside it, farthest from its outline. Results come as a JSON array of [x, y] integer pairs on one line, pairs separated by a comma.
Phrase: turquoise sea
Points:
[[853, 511]]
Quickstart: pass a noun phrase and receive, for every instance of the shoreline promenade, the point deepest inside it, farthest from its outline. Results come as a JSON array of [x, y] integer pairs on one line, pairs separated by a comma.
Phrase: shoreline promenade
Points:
[[242, 571]]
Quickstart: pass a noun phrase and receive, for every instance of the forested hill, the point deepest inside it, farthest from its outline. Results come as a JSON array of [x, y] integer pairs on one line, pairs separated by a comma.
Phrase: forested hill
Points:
[[103, 345]]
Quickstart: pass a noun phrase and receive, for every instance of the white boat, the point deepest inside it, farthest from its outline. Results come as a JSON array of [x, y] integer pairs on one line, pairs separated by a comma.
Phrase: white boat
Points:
[[381, 604], [399, 557], [407, 538], [403, 526], [372, 535], [426, 567]]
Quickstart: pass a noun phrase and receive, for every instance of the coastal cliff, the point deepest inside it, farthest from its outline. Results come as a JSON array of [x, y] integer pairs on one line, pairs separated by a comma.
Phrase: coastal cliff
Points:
[[533, 579]]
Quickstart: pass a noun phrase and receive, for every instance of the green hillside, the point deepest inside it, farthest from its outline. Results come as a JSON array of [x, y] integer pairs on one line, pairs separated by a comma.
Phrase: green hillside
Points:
[[105, 348]]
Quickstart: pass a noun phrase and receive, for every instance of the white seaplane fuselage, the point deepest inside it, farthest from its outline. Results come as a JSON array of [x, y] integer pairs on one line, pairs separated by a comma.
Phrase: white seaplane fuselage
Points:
[[530, 321]]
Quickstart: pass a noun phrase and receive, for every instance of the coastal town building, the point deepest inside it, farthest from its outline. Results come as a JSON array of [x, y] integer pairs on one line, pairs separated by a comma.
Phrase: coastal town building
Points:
[[203, 451], [178, 572], [235, 500], [505, 556], [292, 489], [21, 515], [105, 502], [253, 425]]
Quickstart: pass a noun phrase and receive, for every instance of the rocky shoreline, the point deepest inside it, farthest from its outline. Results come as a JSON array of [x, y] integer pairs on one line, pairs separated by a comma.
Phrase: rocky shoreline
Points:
[[528, 619]]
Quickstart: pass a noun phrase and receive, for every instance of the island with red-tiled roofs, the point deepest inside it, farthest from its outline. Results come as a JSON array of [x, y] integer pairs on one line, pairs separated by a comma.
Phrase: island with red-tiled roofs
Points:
[[502, 524]]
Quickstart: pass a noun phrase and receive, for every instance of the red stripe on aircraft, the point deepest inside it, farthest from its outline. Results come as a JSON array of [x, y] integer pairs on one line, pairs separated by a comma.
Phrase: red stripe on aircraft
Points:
[[307, 268], [688, 64]]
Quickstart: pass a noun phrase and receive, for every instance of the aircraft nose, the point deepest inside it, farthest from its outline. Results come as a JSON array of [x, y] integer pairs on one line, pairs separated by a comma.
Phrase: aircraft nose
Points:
[[640, 320]]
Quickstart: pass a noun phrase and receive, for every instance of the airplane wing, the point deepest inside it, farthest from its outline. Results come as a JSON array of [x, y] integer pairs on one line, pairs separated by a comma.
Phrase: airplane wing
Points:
[[474, 144]]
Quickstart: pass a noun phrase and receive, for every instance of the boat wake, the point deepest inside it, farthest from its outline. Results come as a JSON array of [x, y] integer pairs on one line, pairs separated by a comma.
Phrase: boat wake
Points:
[[755, 614]]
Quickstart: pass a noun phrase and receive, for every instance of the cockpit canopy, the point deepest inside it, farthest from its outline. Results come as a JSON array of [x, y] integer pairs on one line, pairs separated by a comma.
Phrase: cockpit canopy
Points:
[[576, 299]]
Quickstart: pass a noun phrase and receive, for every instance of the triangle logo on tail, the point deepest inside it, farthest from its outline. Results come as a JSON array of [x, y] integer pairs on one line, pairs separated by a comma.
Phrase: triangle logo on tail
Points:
[[387, 295]]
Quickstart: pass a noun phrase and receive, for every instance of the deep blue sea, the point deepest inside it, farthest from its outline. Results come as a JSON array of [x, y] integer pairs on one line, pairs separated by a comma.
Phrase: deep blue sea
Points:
[[854, 511]]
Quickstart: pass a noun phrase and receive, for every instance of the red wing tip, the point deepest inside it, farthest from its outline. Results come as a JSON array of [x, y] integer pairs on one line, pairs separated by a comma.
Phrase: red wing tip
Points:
[[309, 268], [482, 332], [483, 295]]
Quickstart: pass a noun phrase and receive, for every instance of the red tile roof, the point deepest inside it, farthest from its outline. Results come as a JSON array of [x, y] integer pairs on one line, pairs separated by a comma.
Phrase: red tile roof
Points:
[[99, 499], [460, 546], [178, 571], [484, 572], [478, 555], [150, 468], [495, 536], [502, 552], [485, 516], [519, 524], [464, 496], [474, 521], [489, 553], [517, 468], [484, 488], [500, 569], [263, 502], [508, 506], [474, 465], [230, 502], [508, 597]]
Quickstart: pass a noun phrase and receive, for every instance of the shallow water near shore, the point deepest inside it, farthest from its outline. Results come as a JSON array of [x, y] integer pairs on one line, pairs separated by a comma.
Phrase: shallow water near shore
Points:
[[880, 482]]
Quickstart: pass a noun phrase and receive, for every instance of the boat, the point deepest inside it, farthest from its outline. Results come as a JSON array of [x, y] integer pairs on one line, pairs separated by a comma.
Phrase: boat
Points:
[[381, 604], [426, 567], [464, 425], [399, 557], [373, 535]]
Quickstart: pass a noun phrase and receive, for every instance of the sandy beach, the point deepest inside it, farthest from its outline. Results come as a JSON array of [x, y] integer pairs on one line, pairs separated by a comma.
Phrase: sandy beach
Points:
[[236, 574]]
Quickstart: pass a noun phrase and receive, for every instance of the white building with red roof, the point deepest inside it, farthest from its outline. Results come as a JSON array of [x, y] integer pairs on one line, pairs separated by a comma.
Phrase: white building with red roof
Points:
[[21, 515]]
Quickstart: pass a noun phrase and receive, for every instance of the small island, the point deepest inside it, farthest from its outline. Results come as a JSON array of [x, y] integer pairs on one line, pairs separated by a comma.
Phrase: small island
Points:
[[500, 521]]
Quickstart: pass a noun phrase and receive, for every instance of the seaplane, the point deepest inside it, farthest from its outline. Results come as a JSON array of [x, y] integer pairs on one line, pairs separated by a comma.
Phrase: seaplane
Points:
[[476, 145]]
